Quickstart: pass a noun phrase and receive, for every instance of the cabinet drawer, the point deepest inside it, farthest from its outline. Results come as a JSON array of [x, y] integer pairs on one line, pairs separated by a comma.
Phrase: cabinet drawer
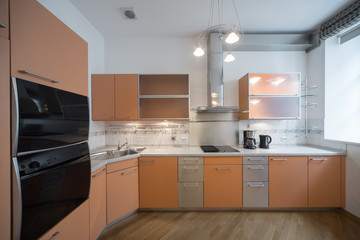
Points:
[[255, 194], [255, 172], [190, 160], [223, 160], [121, 165], [191, 194], [255, 160], [191, 173]]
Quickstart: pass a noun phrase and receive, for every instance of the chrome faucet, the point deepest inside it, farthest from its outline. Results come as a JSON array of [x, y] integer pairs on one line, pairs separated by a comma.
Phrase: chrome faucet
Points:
[[121, 146]]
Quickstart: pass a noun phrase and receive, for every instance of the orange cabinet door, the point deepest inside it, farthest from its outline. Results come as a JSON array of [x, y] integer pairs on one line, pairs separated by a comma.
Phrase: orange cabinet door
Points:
[[126, 97], [5, 139], [325, 181], [102, 97], [97, 200], [288, 182], [4, 19], [43, 45], [73, 227], [222, 185], [122, 193], [158, 182]]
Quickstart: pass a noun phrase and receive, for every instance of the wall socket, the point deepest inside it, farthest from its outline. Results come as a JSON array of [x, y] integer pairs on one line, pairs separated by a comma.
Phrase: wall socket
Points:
[[283, 139]]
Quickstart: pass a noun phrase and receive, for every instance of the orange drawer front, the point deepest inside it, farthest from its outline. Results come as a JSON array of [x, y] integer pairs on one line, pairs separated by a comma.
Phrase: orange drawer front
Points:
[[122, 165], [223, 160]]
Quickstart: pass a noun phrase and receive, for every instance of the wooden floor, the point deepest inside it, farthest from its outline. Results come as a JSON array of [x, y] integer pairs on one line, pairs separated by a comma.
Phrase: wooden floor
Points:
[[235, 225]]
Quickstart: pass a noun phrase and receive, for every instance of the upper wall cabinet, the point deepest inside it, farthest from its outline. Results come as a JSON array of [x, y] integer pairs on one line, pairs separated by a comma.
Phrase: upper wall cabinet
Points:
[[269, 96], [4, 19], [114, 97], [45, 50], [164, 96]]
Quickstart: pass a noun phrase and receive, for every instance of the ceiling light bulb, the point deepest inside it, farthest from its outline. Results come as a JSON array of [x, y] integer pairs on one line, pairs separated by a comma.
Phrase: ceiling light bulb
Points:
[[229, 58], [199, 52], [232, 38]]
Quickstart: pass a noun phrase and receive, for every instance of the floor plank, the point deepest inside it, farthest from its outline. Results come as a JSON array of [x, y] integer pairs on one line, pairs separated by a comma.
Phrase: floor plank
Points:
[[235, 225]]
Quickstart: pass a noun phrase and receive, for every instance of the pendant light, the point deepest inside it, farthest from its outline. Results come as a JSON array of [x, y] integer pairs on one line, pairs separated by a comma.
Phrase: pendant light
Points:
[[233, 32]]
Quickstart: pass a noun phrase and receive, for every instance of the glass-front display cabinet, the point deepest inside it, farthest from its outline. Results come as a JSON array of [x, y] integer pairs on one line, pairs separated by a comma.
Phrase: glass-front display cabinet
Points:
[[270, 96]]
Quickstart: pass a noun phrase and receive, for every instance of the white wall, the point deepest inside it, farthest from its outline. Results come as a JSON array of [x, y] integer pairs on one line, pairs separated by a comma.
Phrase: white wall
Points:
[[69, 15], [316, 75]]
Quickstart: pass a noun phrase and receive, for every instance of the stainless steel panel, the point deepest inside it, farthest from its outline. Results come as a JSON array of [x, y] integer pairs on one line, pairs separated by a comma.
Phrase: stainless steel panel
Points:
[[255, 194], [14, 116], [256, 172], [191, 173], [16, 200], [255, 160], [190, 160], [191, 194]]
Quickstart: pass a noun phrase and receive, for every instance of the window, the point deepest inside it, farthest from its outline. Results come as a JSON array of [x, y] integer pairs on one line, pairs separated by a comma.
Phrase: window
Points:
[[342, 86]]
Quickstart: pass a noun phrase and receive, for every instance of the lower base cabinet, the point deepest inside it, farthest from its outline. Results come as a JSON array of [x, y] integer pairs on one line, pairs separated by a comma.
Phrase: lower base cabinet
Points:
[[97, 200], [122, 189], [222, 182], [73, 227]]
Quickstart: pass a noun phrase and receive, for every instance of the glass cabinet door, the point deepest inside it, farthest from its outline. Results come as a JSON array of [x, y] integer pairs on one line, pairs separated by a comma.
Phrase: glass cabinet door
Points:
[[274, 84], [274, 107]]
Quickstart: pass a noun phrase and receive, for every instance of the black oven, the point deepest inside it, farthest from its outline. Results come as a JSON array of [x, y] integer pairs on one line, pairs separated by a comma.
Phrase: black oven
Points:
[[50, 156]]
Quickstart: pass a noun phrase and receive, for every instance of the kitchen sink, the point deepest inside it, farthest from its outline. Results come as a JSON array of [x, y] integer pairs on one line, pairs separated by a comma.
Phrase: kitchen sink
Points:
[[105, 155]]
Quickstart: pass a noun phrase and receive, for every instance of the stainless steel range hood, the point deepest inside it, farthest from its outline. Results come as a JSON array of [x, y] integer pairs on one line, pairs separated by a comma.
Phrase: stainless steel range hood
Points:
[[215, 78]]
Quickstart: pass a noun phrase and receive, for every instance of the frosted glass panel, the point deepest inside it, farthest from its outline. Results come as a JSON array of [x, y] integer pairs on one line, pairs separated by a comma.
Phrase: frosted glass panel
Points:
[[274, 84], [274, 107]]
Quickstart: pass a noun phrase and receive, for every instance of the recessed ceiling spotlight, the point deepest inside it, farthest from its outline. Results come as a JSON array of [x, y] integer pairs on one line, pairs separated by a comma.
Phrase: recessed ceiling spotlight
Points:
[[128, 13]]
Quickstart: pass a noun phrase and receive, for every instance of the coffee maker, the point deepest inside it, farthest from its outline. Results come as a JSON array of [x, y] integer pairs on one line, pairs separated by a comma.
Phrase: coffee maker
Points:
[[249, 140]]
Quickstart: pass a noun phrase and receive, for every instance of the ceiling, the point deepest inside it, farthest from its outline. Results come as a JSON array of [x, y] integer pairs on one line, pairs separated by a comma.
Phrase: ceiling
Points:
[[187, 18]]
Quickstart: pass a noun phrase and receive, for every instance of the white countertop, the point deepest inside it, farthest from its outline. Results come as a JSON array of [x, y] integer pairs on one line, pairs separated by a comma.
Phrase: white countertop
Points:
[[167, 151]]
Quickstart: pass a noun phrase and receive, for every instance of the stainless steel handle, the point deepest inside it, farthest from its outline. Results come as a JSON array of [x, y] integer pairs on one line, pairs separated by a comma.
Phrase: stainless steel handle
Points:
[[3, 25], [256, 167], [318, 159], [191, 184], [37, 75], [55, 235], [191, 168], [105, 116], [147, 160], [245, 111], [223, 168], [122, 117], [256, 185], [255, 159], [99, 173], [123, 173], [278, 159], [191, 160]]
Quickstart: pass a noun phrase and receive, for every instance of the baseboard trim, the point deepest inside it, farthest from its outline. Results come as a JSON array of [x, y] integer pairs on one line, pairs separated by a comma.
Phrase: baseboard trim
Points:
[[350, 215]]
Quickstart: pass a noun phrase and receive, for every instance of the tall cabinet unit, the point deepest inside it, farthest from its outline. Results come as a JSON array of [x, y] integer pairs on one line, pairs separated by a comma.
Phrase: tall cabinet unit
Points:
[[269, 96], [44, 50], [5, 170]]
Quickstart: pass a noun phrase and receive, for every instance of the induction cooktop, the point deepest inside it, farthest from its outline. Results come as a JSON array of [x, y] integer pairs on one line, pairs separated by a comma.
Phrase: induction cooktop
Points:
[[212, 148]]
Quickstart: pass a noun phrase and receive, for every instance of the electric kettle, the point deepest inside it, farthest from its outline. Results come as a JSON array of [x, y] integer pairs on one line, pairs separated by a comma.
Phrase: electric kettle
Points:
[[265, 140]]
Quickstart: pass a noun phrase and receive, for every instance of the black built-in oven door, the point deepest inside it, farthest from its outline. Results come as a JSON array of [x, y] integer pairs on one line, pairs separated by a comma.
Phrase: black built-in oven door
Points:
[[46, 117], [53, 183]]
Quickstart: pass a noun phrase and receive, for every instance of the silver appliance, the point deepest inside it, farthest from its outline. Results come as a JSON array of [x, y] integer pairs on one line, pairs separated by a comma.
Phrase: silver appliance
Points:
[[249, 140]]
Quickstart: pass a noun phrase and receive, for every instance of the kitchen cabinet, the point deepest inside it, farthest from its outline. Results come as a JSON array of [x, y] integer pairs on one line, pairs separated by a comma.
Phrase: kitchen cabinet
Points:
[[122, 189], [97, 201], [190, 182], [73, 226], [222, 181], [269, 96], [325, 181], [4, 19], [45, 50], [158, 182], [5, 168], [114, 97], [164, 96], [102, 97], [288, 181]]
